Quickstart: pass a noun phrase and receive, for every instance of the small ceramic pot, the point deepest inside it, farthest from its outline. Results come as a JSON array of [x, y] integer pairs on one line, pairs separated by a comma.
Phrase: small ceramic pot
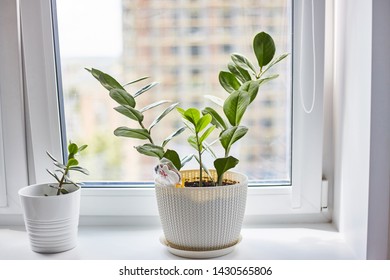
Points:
[[51, 221]]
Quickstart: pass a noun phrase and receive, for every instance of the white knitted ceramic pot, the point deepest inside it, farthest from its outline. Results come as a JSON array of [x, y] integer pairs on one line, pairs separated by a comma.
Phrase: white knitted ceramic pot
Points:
[[203, 219]]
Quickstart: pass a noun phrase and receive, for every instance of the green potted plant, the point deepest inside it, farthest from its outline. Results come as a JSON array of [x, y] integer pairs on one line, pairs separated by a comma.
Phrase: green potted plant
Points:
[[51, 210], [201, 210]]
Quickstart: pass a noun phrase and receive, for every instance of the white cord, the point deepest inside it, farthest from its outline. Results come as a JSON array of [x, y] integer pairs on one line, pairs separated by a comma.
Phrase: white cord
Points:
[[308, 111]]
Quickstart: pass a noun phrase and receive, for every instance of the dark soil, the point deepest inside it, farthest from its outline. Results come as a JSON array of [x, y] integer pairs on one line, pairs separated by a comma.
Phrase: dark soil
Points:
[[195, 184]]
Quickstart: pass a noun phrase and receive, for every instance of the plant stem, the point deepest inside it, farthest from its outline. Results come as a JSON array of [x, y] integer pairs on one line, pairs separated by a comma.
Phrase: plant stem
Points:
[[143, 127], [200, 161], [62, 180]]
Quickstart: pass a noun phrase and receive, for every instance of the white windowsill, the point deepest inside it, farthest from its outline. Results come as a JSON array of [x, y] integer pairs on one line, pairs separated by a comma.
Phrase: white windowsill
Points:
[[272, 242]]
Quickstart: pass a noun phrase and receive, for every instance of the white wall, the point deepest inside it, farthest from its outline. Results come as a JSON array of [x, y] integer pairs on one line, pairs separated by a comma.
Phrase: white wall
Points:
[[352, 99], [361, 125]]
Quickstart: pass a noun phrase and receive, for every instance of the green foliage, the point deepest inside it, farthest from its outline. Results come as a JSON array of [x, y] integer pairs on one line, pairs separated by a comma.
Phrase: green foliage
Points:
[[61, 175], [242, 82], [128, 108], [197, 124]]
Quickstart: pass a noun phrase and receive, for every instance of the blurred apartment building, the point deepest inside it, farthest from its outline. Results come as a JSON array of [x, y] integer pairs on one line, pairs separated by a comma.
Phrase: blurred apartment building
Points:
[[183, 44]]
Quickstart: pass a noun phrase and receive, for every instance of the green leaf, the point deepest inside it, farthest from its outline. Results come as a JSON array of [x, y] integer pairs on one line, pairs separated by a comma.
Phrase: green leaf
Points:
[[235, 106], [215, 100], [264, 48], [206, 134], [130, 112], [224, 164], [207, 147], [151, 150], [186, 159], [217, 119], [228, 81], [54, 175], [252, 87], [72, 148], [267, 79], [132, 132], [243, 62], [192, 141], [240, 73], [82, 147], [276, 60], [79, 169], [231, 135], [105, 80], [192, 115], [72, 162], [176, 133], [135, 81], [153, 105], [59, 165], [204, 167], [145, 88], [64, 191], [203, 122], [173, 157], [122, 97], [162, 115]]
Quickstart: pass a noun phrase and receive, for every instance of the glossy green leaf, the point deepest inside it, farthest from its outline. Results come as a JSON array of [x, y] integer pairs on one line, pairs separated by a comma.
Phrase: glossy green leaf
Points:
[[267, 79], [130, 112], [186, 159], [173, 157], [105, 80], [252, 87], [228, 81], [79, 169], [153, 105], [240, 73], [72, 148], [72, 162], [215, 99], [207, 147], [122, 97], [203, 122], [170, 137], [235, 106], [217, 119], [132, 132], [82, 147], [151, 150], [192, 115], [162, 115], [243, 62], [145, 88], [224, 164], [231, 135], [192, 141], [275, 61], [264, 48], [206, 134], [135, 81], [64, 191]]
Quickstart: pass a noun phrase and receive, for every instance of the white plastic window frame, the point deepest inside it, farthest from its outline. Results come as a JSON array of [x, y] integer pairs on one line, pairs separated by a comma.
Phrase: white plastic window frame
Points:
[[43, 125]]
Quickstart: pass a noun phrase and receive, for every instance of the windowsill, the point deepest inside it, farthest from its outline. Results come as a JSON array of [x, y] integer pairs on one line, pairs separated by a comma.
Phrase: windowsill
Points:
[[302, 242]]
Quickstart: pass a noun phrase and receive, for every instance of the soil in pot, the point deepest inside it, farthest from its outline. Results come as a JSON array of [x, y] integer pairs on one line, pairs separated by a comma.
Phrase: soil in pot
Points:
[[195, 183]]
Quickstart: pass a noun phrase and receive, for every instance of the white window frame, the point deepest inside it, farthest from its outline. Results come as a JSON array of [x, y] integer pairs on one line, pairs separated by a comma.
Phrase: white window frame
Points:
[[302, 199]]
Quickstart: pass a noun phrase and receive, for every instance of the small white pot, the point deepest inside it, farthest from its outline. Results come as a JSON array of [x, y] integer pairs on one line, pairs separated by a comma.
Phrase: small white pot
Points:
[[51, 221], [203, 219]]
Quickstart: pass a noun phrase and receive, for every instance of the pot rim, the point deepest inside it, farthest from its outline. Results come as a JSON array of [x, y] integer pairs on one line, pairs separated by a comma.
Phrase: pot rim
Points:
[[22, 190]]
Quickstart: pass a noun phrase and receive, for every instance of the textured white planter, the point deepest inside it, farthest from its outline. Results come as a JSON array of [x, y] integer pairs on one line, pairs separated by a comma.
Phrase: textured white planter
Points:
[[51, 221], [203, 219]]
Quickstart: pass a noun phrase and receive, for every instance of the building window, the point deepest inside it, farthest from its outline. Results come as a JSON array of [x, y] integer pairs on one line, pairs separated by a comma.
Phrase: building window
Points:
[[132, 38]]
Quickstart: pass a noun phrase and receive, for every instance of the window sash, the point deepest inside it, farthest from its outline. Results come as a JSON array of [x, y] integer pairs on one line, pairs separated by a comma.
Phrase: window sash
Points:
[[303, 197]]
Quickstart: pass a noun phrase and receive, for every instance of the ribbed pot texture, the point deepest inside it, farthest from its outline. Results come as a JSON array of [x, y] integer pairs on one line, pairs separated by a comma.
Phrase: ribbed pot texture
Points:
[[203, 219]]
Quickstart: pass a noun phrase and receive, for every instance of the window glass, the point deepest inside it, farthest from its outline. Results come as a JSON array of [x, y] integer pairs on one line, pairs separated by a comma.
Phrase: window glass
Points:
[[183, 45]]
